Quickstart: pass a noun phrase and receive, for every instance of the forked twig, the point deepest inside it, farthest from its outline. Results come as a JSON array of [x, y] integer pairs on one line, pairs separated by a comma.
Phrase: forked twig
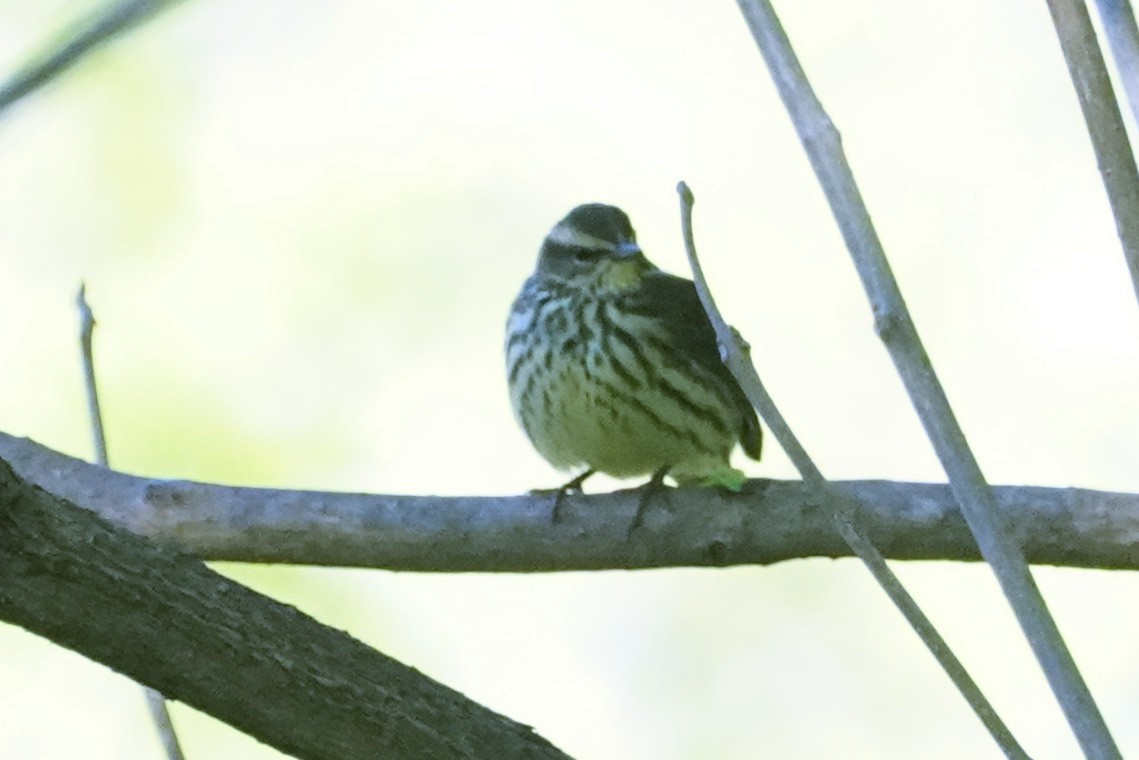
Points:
[[896, 329], [736, 356], [155, 702]]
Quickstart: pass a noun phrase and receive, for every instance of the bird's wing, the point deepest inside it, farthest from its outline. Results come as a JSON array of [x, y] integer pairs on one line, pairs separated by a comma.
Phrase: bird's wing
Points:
[[673, 302]]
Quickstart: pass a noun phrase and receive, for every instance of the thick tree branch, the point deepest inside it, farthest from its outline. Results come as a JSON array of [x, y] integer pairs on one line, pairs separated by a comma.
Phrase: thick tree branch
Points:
[[769, 522], [168, 621]]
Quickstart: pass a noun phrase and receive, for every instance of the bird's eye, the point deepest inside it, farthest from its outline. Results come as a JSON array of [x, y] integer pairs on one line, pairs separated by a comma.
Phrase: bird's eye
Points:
[[584, 255]]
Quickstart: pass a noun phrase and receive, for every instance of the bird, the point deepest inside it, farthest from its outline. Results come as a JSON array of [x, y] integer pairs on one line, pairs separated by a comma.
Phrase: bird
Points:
[[613, 365]]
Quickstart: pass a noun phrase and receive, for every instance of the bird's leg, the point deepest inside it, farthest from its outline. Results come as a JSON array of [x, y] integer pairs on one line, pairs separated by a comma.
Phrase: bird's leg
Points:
[[575, 484], [648, 491], [572, 486]]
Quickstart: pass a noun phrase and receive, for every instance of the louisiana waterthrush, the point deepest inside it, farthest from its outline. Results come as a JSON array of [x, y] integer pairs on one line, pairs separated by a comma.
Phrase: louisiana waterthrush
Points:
[[613, 365]]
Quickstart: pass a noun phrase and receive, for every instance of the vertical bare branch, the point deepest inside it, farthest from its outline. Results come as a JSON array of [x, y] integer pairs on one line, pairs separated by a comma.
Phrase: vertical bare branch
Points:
[[94, 412], [735, 354], [102, 26], [1105, 123], [896, 329], [155, 702]]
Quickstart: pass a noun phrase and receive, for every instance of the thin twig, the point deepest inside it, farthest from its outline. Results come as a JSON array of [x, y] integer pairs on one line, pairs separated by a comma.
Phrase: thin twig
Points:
[[897, 331], [102, 26], [1123, 39], [1105, 123], [94, 411], [735, 355], [155, 702]]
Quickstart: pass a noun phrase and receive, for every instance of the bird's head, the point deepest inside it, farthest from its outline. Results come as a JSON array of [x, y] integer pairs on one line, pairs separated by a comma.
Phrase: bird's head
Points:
[[594, 246]]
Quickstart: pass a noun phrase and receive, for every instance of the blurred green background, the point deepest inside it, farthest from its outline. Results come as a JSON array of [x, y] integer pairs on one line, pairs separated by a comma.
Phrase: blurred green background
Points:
[[301, 226]]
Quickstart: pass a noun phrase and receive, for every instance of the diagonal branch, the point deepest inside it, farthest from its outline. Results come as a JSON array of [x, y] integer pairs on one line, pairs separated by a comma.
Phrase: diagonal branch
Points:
[[896, 329], [103, 26], [840, 509], [771, 521], [1104, 121], [166, 620], [1123, 39]]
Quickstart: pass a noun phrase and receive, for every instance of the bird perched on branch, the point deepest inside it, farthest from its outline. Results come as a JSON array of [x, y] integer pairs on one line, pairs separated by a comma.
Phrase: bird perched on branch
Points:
[[613, 364]]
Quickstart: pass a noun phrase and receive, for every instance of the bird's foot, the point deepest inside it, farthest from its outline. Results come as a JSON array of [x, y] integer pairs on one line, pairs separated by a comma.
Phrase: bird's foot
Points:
[[654, 487], [560, 493]]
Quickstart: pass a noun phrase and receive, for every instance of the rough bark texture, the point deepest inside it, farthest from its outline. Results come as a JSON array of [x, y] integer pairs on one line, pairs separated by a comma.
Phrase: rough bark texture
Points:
[[166, 620]]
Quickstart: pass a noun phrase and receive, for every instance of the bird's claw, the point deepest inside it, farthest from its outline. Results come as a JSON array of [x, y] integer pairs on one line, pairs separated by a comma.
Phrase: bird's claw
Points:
[[573, 486], [654, 487]]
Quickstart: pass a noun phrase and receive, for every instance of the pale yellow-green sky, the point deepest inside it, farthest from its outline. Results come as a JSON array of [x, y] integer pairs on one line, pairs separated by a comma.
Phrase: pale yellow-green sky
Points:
[[301, 226]]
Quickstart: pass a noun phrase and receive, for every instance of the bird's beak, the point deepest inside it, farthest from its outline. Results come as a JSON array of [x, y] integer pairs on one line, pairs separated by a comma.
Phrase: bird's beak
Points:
[[626, 250]]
